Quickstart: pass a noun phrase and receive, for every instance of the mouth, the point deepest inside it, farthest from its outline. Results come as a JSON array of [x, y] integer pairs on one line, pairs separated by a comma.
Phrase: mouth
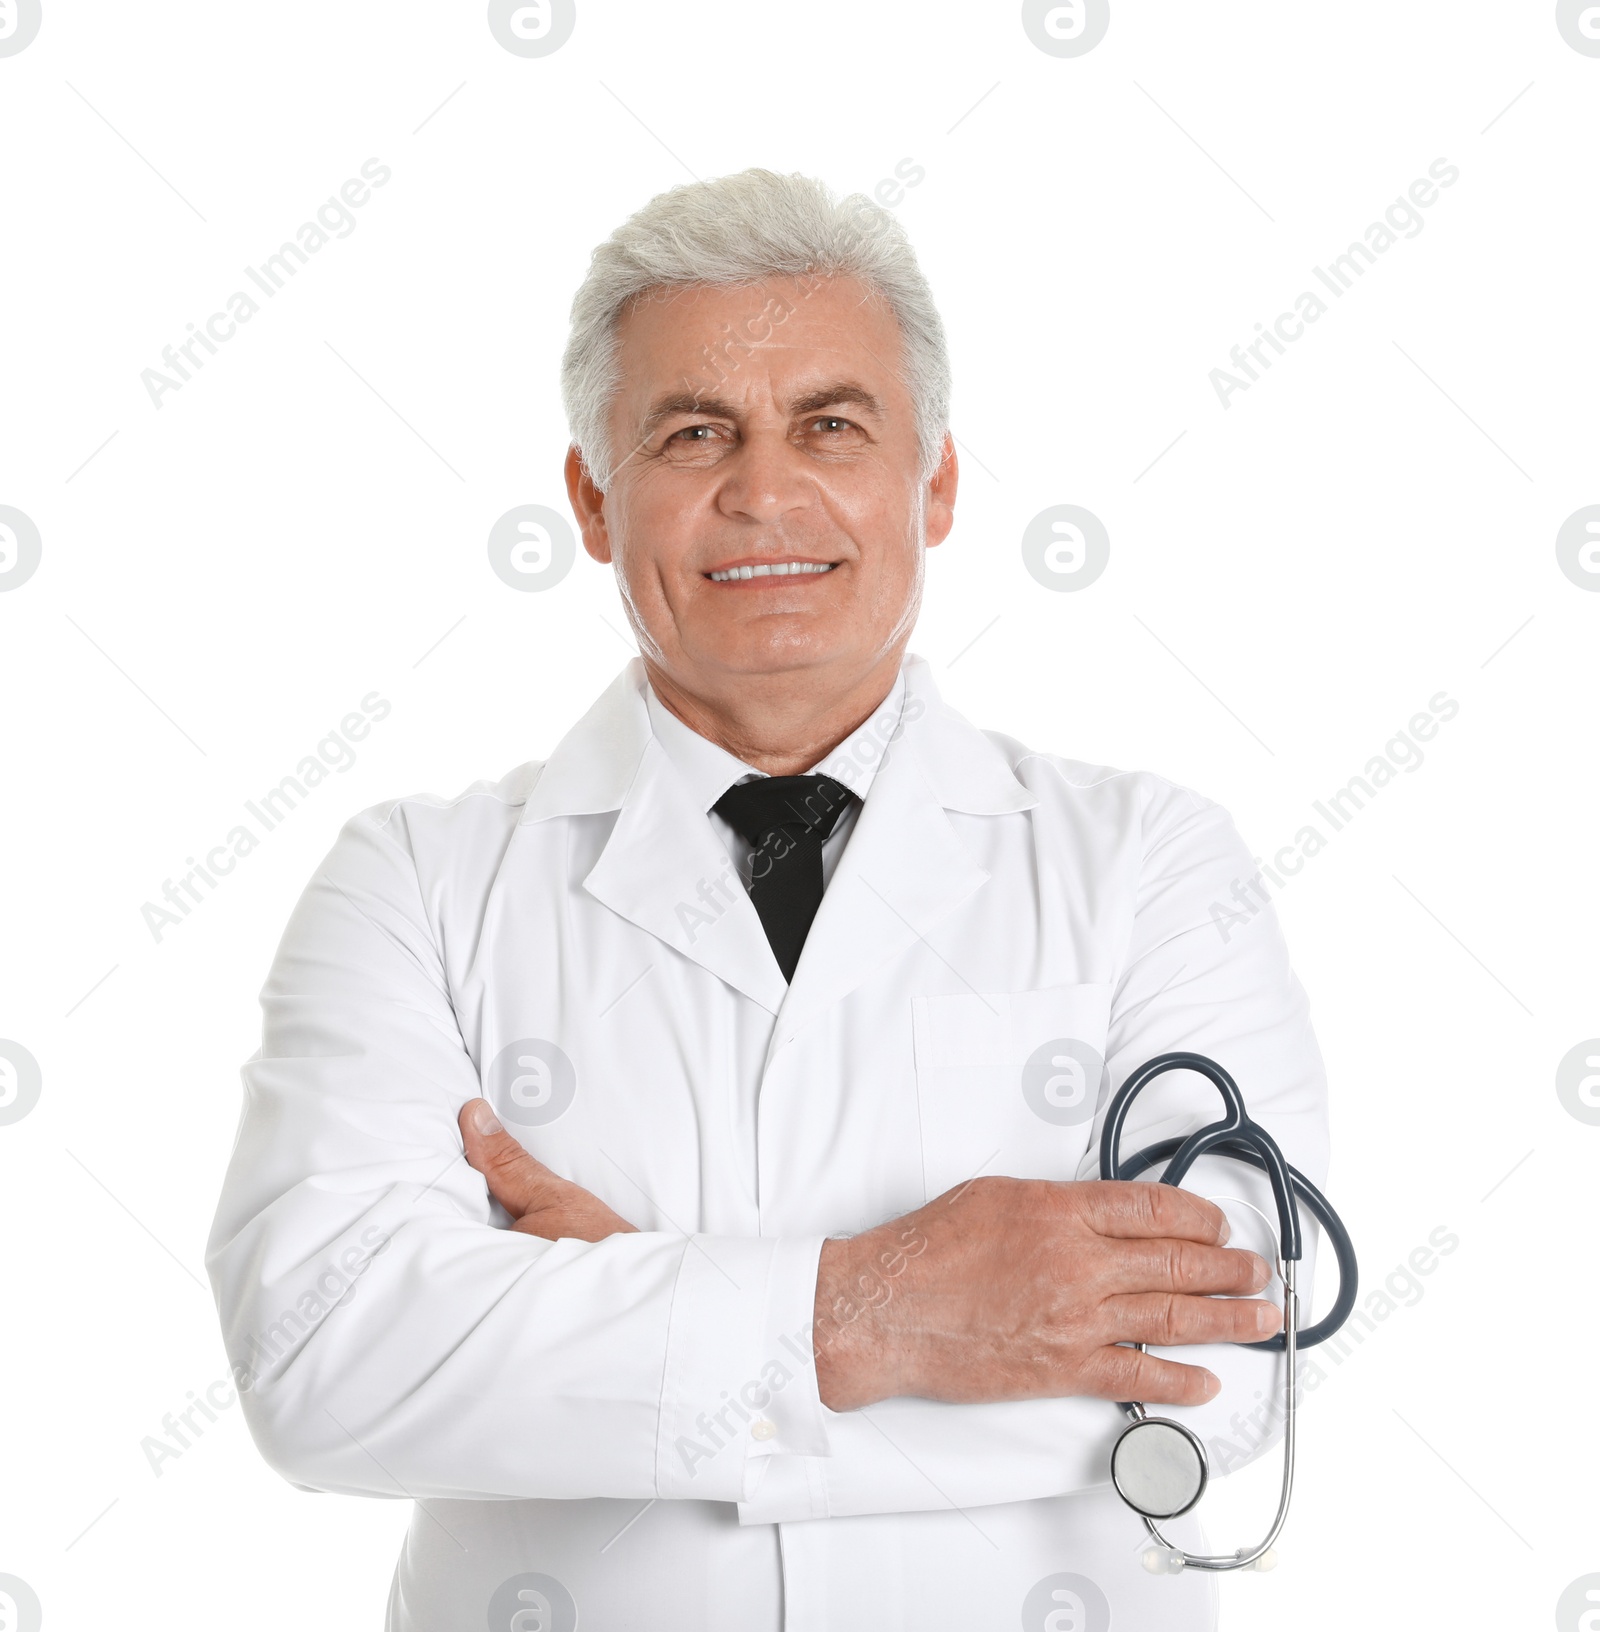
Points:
[[747, 571]]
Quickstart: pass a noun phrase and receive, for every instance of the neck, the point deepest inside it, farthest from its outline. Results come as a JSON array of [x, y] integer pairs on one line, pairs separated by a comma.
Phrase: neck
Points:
[[771, 723]]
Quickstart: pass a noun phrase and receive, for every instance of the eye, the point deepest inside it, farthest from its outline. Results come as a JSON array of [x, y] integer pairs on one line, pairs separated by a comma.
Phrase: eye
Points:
[[833, 422], [690, 440]]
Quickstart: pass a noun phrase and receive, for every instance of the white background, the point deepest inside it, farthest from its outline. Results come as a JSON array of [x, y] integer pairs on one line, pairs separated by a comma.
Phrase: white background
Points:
[[304, 522]]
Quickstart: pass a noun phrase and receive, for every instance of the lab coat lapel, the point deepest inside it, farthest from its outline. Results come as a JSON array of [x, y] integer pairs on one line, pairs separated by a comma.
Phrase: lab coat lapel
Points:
[[662, 867], [904, 867], [665, 870]]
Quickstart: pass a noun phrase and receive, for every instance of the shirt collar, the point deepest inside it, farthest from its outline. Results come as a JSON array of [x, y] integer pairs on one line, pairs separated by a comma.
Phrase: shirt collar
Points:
[[708, 771]]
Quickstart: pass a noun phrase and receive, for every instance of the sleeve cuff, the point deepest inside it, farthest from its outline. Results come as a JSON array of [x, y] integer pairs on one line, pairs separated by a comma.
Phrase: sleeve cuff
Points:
[[740, 1384]]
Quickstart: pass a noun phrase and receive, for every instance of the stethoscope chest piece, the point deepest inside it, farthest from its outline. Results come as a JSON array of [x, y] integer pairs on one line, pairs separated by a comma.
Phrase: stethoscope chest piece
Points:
[[1159, 1467]]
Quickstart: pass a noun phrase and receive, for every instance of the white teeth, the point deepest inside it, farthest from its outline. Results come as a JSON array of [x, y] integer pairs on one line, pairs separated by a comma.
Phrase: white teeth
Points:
[[773, 569]]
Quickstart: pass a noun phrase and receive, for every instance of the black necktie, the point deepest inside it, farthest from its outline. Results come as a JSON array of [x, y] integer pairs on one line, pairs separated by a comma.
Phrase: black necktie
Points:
[[785, 819]]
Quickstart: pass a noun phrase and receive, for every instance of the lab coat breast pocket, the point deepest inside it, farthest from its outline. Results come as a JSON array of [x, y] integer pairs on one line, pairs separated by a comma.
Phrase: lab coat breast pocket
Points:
[[1008, 1082]]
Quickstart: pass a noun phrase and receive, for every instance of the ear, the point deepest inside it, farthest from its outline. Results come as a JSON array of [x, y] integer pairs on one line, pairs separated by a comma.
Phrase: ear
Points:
[[941, 508], [589, 506]]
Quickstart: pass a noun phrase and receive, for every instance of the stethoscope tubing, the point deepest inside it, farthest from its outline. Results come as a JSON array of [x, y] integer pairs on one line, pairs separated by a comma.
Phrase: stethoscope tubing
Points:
[[1236, 1136]]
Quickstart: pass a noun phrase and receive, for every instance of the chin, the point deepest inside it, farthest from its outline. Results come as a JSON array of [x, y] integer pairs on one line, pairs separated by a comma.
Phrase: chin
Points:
[[770, 651]]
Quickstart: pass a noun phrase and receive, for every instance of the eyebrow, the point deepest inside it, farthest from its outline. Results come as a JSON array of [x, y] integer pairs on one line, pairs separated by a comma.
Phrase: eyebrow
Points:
[[837, 394]]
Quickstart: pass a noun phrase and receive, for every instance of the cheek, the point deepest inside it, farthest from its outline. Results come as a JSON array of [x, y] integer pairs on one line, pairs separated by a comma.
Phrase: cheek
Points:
[[652, 529], [892, 570], [895, 522], [884, 506]]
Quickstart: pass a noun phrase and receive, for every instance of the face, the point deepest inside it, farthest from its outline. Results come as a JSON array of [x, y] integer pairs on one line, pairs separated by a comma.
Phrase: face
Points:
[[765, 516]]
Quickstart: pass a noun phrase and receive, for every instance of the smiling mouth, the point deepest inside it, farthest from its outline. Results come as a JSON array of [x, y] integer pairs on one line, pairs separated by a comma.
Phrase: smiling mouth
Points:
[[772, 569]]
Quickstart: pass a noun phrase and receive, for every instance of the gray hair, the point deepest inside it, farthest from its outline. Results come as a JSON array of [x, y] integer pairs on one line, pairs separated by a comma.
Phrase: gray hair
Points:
[[745, 229]]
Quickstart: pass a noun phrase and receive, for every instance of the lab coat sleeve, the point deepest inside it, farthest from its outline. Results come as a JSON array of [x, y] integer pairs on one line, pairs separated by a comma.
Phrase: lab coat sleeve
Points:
[[1206, 971], [389, 1337], [1191, 968]]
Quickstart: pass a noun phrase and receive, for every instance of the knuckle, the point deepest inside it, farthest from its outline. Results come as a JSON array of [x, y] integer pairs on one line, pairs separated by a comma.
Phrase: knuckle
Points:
[[985, 1189], [1115, 1373], [1182, 1266], [506, 1156], [1120, 1201], [514, 1171], [1119, 1198], [1190, 1215], [1168, 1203], [1155, 1265], [1169, 1319]]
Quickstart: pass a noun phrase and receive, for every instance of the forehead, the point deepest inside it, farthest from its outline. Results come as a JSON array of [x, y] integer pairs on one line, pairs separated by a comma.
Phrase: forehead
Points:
[[734, 339]]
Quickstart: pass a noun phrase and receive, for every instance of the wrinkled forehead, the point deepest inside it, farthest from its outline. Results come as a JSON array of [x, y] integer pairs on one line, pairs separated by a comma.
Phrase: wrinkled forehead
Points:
[[788, 334]]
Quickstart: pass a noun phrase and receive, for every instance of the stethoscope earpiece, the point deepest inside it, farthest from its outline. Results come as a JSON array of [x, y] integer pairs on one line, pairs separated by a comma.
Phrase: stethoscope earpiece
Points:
[[1163, 1561]]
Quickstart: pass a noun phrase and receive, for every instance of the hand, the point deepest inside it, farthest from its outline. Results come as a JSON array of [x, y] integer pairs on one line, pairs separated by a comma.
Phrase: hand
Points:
[[540, 1202], [1009, 1289]]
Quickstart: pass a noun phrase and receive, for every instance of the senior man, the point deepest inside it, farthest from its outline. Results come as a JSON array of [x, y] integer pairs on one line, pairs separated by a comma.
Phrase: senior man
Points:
[[671, 1166]]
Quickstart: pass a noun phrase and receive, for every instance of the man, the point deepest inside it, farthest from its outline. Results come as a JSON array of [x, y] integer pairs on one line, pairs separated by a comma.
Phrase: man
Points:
[[673, 1166]]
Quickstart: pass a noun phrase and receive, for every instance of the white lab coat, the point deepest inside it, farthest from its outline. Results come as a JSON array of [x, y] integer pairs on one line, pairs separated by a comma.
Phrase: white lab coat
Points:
[[558, 940]]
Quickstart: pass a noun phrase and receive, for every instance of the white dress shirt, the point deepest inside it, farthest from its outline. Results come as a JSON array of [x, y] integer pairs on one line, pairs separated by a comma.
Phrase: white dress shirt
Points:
[[627, 1433], [707, 771]]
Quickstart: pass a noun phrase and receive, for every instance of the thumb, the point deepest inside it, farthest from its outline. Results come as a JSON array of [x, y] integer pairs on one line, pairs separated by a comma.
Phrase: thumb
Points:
[[516, 1180]]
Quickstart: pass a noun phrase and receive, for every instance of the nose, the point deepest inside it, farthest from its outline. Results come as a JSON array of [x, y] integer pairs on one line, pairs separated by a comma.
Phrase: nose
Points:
[[765, 480]]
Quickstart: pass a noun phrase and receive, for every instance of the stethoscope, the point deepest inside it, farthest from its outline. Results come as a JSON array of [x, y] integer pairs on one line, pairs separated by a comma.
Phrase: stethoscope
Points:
[[1158, 1466]]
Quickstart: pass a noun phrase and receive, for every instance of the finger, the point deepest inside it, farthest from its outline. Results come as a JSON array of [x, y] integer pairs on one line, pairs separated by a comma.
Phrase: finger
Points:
[[1127, 1209], [516, 1180], [1130, 1374], [1165, 1318], [582, 1217], [1185, 1266]]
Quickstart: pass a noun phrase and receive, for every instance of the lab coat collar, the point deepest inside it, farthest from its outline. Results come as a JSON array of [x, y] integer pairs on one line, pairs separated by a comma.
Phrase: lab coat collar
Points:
[[903, 869], [592, 767], [708, 770]]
